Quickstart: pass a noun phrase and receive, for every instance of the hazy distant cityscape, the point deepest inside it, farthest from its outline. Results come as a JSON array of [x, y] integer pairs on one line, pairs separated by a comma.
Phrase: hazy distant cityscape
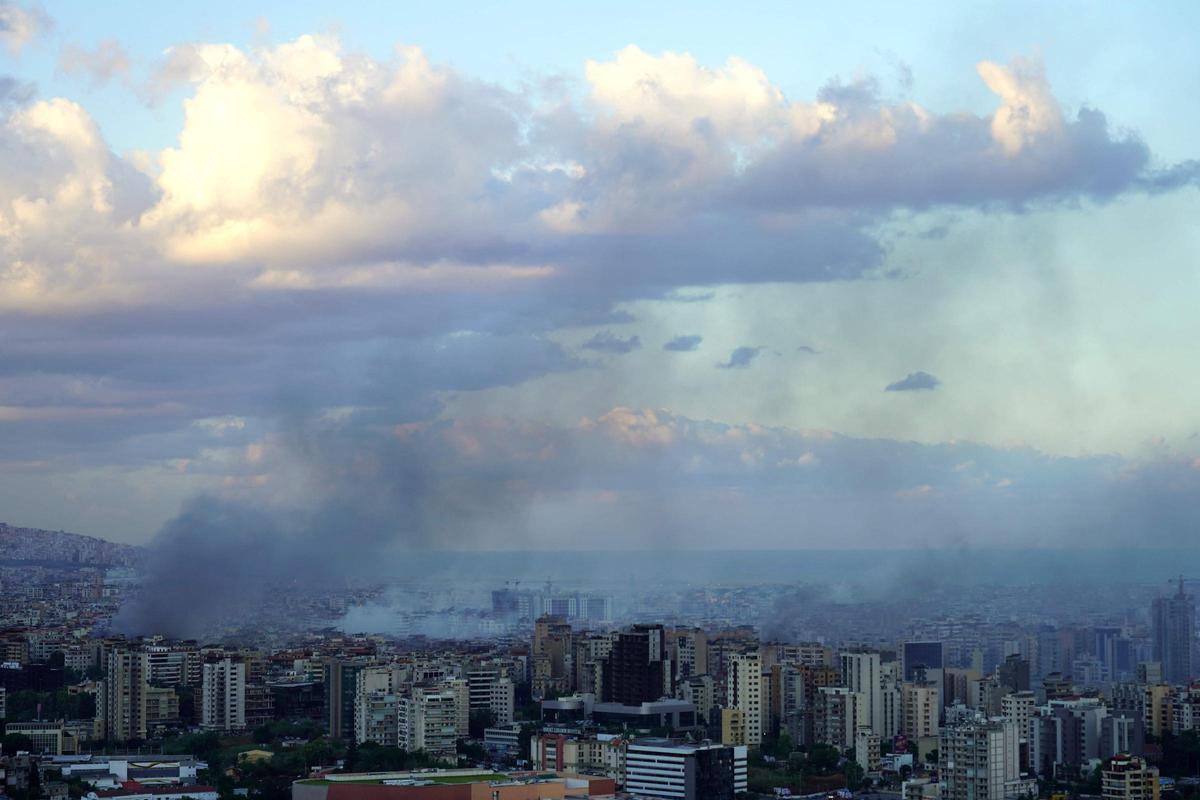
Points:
[[588, 680]]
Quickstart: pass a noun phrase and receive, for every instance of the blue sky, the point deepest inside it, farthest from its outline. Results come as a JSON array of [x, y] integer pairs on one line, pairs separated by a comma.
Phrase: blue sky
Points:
[[1134, 60], [238, 236]]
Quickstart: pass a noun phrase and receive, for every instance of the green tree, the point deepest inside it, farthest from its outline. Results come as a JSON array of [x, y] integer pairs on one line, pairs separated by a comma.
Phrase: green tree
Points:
[[822, 759], [854, 775], [481, 718], [14, 743]]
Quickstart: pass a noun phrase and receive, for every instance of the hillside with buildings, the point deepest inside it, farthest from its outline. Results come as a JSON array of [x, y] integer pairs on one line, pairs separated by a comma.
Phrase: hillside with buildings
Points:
[[59, 547]]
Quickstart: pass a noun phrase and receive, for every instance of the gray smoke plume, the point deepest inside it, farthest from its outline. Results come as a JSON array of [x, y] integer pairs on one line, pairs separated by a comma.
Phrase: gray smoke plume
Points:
[[374, 493]]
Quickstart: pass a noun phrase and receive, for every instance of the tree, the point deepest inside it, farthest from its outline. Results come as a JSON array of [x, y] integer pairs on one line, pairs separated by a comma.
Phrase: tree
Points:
[[523, 740], [823, 759], [854, 775], [15, 742], [481, 718]]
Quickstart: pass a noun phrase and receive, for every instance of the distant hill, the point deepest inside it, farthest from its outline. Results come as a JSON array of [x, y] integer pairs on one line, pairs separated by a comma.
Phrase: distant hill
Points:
[[35, 544]]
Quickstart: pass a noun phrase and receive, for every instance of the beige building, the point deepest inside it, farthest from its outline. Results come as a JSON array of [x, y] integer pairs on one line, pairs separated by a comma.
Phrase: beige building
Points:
[[1125, 777], [1021, 709], [162, 706], [553, 654], [733, 726], [747, 690], [428, 720], [980, 761], [600, 755], [123, 694], [688, 648], [867, 750], [921, 706], [46, 738], [1159, 709]]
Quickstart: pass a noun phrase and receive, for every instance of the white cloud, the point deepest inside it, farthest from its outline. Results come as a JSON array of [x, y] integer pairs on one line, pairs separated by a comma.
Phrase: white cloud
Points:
[[20, 25], [106, 63], [1028, 111]]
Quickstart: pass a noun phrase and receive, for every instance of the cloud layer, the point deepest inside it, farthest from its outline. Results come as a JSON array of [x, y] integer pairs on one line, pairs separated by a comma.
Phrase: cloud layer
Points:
[[341, 243]]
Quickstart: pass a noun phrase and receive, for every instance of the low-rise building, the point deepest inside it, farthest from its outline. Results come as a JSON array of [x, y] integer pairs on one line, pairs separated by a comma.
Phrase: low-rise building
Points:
[[661, 768]]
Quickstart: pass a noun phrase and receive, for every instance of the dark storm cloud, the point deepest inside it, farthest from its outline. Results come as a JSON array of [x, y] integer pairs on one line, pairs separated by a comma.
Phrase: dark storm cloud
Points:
[[609, 342], [684, 344], [741, 357], [914, 381]]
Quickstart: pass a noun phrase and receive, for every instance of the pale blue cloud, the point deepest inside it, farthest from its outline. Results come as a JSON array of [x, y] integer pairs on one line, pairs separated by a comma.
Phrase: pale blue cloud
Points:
[[741, 357], [684, 344], [913, 382]]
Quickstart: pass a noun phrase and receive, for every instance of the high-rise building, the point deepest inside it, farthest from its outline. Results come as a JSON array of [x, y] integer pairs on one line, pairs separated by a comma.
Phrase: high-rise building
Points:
[[1021, 709], [492, 690], [341, 687], [661, 768], [1013, 674], [638, 669], [861, 673], [744, 691], [223, 695], [590, 652], [1173, 623], [375, 717], [980, 761], [122, 700], [1126, 777], [838, 714], [923, 662], [428, 720], [1122, 735], [688, 648], [553, 651], [1068, 735], [462, 703], [921, 707], [1148, 672]]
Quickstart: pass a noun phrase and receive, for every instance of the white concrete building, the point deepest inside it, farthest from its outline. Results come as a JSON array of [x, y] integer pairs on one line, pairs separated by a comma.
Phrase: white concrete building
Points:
[[665, 769], [224, 695]]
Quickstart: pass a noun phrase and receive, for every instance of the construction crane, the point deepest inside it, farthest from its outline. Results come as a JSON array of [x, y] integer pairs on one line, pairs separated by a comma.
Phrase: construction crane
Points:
[[1182, 580]]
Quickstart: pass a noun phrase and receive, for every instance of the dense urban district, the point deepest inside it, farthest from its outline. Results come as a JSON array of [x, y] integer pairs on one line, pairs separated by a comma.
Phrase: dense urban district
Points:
[[703, 689]]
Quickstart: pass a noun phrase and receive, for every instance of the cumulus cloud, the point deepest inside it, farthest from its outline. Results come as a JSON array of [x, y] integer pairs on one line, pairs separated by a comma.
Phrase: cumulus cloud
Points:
[[301, 167], [609, 342], [106, 63], [741, 357], [684, 344], [914, 381]]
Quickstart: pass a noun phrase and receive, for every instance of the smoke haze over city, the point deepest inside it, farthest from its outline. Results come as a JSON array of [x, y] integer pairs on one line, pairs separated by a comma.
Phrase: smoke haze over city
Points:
[[612, 401]]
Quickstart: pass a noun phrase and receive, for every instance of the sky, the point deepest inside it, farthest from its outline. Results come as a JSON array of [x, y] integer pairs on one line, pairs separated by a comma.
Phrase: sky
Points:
[[598, 276]]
